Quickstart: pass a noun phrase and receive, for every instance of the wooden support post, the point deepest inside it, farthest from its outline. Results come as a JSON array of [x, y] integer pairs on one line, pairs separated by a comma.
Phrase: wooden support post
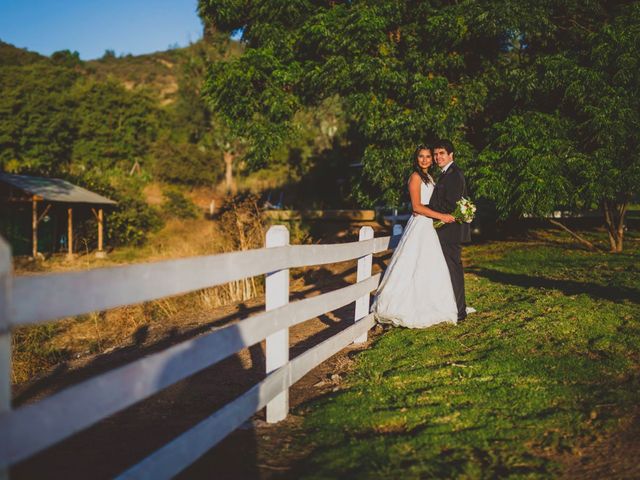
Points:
[[364, 272], [277, 344], [100, 253], [100, 220], [5, 348], [70, 232], [34, 228], [100, 227]]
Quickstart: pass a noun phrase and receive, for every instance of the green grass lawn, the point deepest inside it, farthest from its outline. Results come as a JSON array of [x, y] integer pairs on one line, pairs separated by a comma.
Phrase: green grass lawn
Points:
[[550, 361]]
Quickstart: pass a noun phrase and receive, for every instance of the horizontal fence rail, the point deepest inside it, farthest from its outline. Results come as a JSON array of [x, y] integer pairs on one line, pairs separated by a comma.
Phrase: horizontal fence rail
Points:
[[35, 299], [37, 426], [56, 295]]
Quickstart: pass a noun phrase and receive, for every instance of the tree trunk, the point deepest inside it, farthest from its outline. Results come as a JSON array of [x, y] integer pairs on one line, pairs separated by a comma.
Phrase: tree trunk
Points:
[[614, 213], [229, 182], [580, 239]]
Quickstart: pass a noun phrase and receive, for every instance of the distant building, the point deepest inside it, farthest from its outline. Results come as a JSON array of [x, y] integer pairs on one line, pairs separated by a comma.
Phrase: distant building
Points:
[[37, 213]]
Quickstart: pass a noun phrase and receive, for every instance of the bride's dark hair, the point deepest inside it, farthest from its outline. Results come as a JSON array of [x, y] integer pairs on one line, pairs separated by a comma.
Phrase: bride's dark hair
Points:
[[416, 167]]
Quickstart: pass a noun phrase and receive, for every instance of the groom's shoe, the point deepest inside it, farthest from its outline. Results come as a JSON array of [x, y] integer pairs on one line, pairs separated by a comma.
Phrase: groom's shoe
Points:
[[462, 320]]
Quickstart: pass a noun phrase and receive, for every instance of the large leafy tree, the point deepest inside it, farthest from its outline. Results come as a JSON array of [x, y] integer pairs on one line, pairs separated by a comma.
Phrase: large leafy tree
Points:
[[544, 91], [571, 139], [406, 71], [603, 88]]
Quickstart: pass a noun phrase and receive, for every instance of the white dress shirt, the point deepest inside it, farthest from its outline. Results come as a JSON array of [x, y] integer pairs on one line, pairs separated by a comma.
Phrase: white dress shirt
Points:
[[446, 167]]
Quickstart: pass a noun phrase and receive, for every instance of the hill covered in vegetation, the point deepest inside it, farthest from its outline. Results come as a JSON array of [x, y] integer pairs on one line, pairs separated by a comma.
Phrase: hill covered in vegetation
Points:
[[117, 124]]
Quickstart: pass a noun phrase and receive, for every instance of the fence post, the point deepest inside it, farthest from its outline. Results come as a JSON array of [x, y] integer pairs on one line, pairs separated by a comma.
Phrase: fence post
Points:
[[5, 347], [277, 344], [364, 272]]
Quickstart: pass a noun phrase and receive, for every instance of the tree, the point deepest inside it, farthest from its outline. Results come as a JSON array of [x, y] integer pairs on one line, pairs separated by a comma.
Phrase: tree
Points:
[[603, 89], [406, 72], [114, 126], [573, 140], [531, 166], [487, 74], [198, 141], [108, 55], [66, 58], [36, 118]]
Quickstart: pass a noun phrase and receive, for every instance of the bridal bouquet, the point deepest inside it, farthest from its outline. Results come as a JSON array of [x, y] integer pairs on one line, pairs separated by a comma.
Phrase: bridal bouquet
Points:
[[464, 212]]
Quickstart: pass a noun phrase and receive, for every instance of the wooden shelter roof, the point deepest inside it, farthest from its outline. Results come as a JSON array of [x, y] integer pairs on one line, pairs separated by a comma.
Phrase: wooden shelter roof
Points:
[[54, 189]]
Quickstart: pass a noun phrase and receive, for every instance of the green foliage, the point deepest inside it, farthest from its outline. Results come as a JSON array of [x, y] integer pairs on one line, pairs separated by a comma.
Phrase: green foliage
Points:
[[10, 55], [546, 365], [53, 122], [108, 55], [132, 222], [36, 128], [66, 58], [186, 163], [190, 152], [572, 140], [532, 166], [489, 75], [177, 205], [401, 81], [114, 127], [602, 88], [56, 122]]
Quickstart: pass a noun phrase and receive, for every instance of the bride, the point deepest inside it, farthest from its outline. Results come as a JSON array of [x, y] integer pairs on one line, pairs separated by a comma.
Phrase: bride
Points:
[[416, 290]]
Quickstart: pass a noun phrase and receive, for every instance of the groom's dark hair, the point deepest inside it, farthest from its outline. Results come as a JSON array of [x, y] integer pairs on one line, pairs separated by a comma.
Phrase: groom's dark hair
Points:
[[443, 143]]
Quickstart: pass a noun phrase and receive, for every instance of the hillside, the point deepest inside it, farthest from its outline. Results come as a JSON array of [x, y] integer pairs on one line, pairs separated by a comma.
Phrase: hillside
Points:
[[12, 55], [157, 71], [118, 125]]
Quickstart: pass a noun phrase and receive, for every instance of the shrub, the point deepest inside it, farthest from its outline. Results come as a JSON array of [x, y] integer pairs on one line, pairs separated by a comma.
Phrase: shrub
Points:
[[186, 163], [177, 205], [131, 221]]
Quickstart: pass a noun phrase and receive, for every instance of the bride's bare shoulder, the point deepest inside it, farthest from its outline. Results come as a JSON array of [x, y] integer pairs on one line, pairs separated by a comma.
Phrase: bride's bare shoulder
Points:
[[413, 178]]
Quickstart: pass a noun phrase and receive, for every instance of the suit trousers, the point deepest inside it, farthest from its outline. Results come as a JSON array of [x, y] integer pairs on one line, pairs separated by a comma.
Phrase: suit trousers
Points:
[[452, 255]]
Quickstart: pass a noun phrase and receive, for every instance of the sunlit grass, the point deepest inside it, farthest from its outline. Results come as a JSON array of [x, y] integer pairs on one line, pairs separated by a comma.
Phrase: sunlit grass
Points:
[[550, 360]]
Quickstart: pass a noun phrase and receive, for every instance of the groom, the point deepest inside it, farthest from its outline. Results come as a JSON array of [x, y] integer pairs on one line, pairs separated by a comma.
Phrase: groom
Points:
[[450, 188]]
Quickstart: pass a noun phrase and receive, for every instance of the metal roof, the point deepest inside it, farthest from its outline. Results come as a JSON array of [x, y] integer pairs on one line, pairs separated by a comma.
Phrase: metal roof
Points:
[[54, 189]]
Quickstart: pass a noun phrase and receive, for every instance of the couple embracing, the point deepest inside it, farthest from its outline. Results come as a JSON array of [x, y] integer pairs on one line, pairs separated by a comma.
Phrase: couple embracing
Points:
[[424, 282]]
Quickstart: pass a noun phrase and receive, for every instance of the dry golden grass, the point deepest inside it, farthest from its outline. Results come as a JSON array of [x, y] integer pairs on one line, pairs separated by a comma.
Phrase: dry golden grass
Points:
[[38, 349]]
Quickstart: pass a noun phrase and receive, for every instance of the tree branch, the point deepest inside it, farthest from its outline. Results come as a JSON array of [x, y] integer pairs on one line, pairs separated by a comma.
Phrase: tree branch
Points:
[[580, 239]]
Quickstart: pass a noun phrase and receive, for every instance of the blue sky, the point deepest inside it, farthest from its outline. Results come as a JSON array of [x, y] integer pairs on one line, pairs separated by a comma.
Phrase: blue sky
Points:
[[93, 26]]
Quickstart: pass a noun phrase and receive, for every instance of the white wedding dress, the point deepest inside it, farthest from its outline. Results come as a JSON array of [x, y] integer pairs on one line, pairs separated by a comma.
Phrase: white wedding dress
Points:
[[416, 290]]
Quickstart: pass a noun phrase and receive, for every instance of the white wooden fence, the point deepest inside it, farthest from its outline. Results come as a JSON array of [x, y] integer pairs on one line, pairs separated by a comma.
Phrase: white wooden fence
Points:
[[28, 300]]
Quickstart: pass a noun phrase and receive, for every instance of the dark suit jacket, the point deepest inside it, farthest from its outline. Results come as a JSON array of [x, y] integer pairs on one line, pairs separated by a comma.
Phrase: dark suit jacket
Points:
[[450, 187]]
